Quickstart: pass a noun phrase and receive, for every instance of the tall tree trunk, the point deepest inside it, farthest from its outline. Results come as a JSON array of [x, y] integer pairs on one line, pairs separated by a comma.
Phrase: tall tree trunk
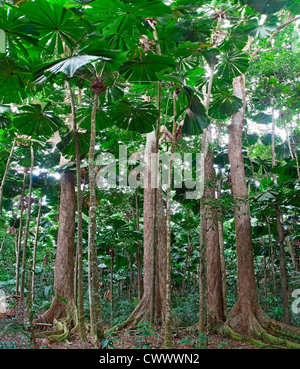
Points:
[[111, 285], [19, 240], [243, 315], [63, 301], [188, 253], [5, 173], [34, 250], [143, 309], [78, 279], [26, 231], [215, 308], [138, 252], [96, 318], [283, 272], [168, 333], [272, 256], [221, 243], [246, 317], [280, 232]]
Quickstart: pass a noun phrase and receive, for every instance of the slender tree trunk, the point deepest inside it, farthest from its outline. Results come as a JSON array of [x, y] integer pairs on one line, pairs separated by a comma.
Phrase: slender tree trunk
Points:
[[283, 272], [112, 253], [215, 308], [168, 333], [34, 250], [19, 241], [26, 231], [96, 323], [155, 169], [5, 173], [138, 252], [131, 283], [221, 242], [288, 138], [280, 232], [272, 256], [208, 228], [244, 314], [62, 303], [292, 254], [273, 139], [143, 310], [189, 250], [78, 278], [155, 286]]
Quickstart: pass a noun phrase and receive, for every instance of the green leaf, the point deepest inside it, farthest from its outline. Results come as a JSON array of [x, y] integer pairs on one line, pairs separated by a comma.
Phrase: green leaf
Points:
[[68, 66], [17, 30], [147, 67], [102, 119], [224, 104], [35, 121], [262, 118], [195, 31], [261, 31], [232, 64], [13, 80], [293, 6], [135, 116], [4, 121], [265, 6], [250, 139], [124, 16], [54, 24], [66, 145], [196, 119], [266, 139], [267, 195]]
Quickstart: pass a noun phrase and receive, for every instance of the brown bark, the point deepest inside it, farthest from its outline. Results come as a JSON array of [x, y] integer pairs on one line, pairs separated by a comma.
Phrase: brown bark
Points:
[[215, 307], [143, 309], [95, 302], [168, 332], [78, 275], [241, 317], [34, 250], [63, 299], [19, 240], [283, 273], [221, 243], [246, 317], [5, 174], [22, 290], [138, 253]]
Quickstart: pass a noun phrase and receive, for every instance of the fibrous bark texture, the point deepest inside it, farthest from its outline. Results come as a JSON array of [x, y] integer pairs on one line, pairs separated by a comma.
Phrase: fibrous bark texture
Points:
[[142, 311], [215, 306], [63, 299], [246, 306]]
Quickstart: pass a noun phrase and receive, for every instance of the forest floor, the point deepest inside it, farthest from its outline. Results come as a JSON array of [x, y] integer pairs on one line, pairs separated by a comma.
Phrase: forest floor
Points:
[[15, 334]]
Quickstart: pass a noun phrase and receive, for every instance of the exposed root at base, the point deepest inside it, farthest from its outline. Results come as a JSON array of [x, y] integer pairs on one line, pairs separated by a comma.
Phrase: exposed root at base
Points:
[[261, 338], [139, 314], [62, 332]]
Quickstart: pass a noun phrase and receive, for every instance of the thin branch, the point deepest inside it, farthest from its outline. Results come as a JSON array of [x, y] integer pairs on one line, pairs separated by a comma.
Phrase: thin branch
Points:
[[279, 28]]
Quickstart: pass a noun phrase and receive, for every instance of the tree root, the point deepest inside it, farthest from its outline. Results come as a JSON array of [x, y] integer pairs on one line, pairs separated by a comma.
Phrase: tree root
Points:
[[260, 338], [282, 329], [62, 332], [140, 314], [131, 323]]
